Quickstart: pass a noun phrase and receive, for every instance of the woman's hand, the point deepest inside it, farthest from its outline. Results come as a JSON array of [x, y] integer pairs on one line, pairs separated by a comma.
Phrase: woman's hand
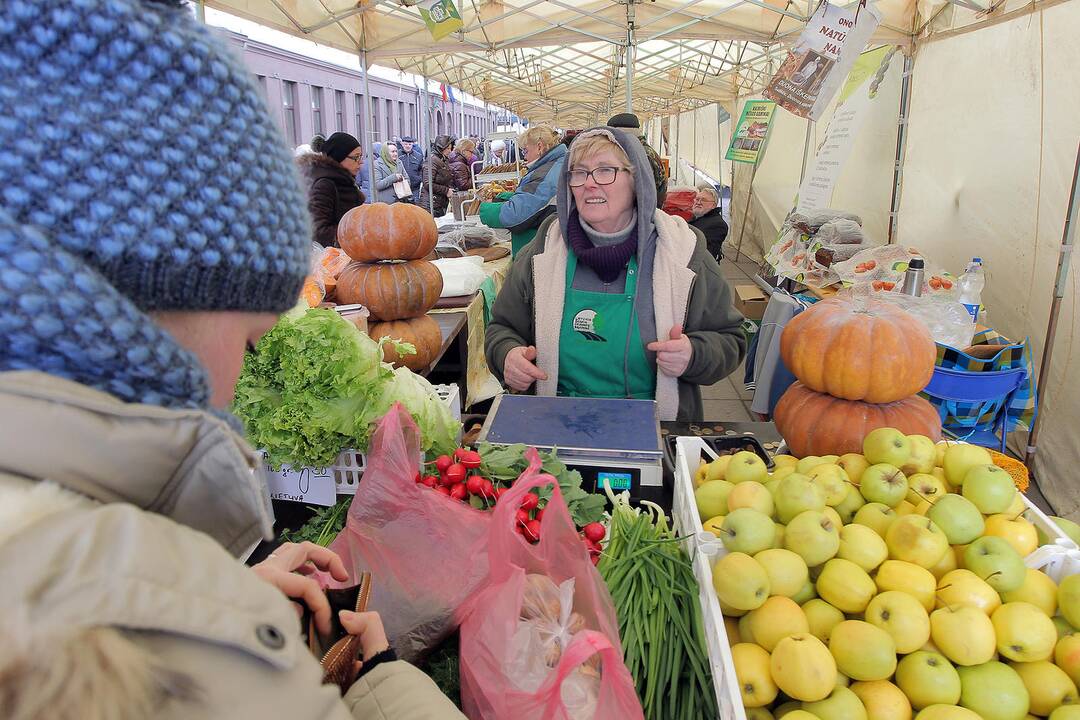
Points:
[[673, 355], [519, 370], [369, 628], [287, 567]]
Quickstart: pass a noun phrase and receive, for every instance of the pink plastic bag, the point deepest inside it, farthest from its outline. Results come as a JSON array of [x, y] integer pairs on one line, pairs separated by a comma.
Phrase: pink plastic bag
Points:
[[491, 683], [424, 550]]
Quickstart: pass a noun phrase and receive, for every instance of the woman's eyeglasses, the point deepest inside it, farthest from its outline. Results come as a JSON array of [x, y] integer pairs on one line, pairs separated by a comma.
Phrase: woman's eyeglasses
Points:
[[600, 175], [355, 158]]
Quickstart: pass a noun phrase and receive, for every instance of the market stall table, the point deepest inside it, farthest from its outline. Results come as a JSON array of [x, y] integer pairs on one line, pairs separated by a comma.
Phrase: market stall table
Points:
[[450, 326]]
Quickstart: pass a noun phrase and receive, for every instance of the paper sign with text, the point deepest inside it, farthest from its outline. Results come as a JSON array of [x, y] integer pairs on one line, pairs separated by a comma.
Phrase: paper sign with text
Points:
[[752, 131], [314, 486]]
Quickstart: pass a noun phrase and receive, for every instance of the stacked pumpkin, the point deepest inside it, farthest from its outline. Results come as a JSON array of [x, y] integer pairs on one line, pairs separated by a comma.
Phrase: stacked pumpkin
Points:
[[388, 275], [859, 368]]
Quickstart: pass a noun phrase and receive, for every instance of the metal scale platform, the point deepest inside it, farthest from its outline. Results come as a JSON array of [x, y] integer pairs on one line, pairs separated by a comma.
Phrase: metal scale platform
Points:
[[613, 439]]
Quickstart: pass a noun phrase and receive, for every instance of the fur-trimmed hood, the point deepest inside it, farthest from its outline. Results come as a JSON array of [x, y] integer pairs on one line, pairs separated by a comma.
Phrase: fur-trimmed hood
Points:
[[315, 166]]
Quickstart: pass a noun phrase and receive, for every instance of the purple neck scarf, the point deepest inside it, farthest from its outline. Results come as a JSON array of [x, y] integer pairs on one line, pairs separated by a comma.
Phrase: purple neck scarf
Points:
[[607, 261]]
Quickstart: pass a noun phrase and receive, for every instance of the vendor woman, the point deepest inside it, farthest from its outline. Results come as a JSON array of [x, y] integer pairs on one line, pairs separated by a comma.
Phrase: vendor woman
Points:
[[611, 302]]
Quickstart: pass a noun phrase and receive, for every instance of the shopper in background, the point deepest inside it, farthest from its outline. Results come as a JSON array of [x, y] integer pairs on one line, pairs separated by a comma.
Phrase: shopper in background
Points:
[[442, 179], [388, 170], [127, 494], [523, 210], [615, 298], [630, 122], [331, 183], [412, 159], [498, 152], [461, 160], [708, 219]]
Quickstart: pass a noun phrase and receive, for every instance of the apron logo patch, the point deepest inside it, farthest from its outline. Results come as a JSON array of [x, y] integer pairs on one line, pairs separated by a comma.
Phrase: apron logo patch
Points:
[[587, 322]]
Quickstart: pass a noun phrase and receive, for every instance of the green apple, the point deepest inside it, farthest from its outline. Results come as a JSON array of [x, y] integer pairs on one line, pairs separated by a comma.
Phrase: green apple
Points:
[[711, 498], [752, 670], [740, 581], [921, 459], [961, 457], [854, 464], [996, 561], [1066, 526], [963, 634], [903, 617], [1048, 686], [771, 485], [842, 704], [751, 495], [746, 466], [834, 516], [806, 593], [796, 494], [963, 587], [862, 546], [812, 536], [777, 618], [884, 483], [822, 618], [958, 518], [990, 488], [808, 463], [785, 709], [1024, 632], [946, 712], [923, 487], [1064, 629], [876, 516], [994, 691], [786, 570], [927, 678], [832, 480], [886, 445], [850, 505], [845, 586], [916, 539], [778, 540], [1068, 599], [747, 531], [715, 470], [863, 651]]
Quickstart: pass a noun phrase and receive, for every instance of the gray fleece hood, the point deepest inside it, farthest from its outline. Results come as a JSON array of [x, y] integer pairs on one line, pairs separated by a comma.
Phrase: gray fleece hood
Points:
[[644, 187]]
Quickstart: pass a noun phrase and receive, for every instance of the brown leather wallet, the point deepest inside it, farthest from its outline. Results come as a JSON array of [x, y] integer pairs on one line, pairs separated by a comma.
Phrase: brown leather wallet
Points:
[[339, 651]]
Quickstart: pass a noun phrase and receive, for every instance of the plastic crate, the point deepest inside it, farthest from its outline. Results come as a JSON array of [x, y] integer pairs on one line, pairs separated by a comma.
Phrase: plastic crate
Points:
[[1058, 559]]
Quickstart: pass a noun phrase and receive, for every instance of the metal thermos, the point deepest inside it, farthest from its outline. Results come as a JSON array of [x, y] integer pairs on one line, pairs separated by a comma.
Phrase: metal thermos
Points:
[[913, 278]]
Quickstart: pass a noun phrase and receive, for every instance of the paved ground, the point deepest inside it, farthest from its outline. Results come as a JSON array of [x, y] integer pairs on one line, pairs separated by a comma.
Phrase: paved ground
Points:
[[727, 400]]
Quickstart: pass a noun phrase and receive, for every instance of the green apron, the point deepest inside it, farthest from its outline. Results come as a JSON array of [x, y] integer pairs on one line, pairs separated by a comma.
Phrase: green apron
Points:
[[601, 353]]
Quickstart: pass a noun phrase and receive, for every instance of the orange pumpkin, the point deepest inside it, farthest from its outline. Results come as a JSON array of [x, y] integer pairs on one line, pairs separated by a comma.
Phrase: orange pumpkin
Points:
[[813, 423], [423, 332], [401, 231], [879, 354], [391, 290]]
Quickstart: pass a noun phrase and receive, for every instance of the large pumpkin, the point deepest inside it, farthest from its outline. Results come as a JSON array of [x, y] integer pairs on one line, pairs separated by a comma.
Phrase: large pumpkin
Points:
[[879, 354], [423, 332], [391, 290], [813, 423], [401, 231]]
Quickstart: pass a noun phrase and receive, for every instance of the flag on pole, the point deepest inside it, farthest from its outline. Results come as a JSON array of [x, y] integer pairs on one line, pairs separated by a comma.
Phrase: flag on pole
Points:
[[441, 17], [442, 89], [450, 92]]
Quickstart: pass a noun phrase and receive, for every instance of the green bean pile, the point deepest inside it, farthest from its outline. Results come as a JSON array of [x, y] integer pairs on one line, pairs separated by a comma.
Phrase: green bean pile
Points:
[[656, 599]]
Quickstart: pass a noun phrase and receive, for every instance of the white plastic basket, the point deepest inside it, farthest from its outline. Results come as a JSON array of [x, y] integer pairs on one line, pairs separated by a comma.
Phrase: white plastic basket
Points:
[[1058, 560]]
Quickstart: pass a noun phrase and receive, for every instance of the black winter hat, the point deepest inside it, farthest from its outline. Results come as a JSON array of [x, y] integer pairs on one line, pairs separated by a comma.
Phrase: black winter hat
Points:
[[624, 120], [339, 145]]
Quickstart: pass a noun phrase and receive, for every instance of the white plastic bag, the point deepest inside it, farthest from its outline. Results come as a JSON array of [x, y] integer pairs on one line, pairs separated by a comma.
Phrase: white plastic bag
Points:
[[461, 276]]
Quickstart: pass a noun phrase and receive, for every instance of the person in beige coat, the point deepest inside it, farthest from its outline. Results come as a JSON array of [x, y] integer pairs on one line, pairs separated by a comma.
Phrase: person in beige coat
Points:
[[128, 495]]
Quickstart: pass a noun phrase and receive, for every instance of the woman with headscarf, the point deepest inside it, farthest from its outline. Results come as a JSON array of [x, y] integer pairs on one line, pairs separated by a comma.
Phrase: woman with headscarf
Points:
[[437, 169], [523, 210], [615, 298], [388, 170], [128, 495], [330, 174], [461, 160]]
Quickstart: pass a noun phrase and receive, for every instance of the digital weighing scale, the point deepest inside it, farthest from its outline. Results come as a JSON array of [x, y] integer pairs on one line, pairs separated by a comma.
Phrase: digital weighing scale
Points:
[[604, 439]]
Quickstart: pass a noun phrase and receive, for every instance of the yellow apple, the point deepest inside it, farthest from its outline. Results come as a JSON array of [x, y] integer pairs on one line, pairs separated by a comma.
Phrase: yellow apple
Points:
[[803, 668], [1038, 589], [1066, 654], [808, 463], [863, 651], [904, 508], [786, 570], [923, 507], [752, 670], [960, 458], [1069, 599], [731, 630], [994, 691], [947, 712], [939, 473], [862, 546], [778, 539], [1018, 508], [746, 632], [906, 577], [779, 617], [701, 475], [715, 525], [782, 472], [746, 466], [823, 617], [917, 540], [924, 487], [813, 536], [789, 707], [963, 587], [740, 581], [834, 517], [751, 495], [853, 464], [729, 611], [850, 504], [807, 593], [939, 452], [886, 445], [758, 713], [1024, 632], [1063, 627], [927, 678], [1066, 712], [832, 480], [1020, 533], [800, 714], [841, 704], [796, 494], [946, 565], [923, 454], [876, 516], [1048, 686], [964, 634], [903, 617], [785, 460], [717, 468], [882, 700], [845, 586], [711, 498]]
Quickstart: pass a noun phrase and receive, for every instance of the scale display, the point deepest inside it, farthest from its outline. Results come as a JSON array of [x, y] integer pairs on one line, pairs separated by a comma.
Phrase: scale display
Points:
[[618, 481]]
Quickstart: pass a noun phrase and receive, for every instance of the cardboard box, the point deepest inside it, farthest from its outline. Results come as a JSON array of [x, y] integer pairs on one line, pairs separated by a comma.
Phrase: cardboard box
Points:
[[750, 301]]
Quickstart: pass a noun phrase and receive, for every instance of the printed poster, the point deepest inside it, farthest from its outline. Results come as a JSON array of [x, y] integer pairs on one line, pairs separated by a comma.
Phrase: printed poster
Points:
[[441, 17], [817, 64], [751, 132]]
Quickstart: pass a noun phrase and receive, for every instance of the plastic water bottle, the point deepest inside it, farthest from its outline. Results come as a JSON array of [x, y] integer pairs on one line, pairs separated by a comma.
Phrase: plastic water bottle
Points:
[[972, 283]]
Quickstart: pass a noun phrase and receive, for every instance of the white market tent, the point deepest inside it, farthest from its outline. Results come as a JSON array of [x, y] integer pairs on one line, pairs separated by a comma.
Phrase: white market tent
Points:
[[993, 121]]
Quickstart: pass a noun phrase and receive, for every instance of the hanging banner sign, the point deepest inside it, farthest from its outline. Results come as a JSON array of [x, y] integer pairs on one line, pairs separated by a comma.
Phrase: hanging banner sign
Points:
[[817, 64], [441, 17], [751, 132]]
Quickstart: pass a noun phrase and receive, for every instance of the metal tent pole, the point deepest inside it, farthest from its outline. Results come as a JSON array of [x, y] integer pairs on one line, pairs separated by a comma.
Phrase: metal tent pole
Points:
[[1064, 257], [461, 102], [200, 11], [427, 139], [630, 56], [367, 141], [805, 150], [901, 149], [749, 192]]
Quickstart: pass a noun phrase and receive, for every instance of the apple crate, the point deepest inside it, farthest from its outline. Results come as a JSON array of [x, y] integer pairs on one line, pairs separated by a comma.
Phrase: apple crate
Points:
[[1058, 559]]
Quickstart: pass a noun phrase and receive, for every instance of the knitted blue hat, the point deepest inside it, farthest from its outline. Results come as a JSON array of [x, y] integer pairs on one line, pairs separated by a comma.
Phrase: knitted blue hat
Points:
[[139, 171]]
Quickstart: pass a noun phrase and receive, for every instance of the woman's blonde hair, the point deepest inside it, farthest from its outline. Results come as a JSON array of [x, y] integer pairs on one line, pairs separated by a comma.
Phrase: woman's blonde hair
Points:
[[542, 134], [583, 147], [465, 145]]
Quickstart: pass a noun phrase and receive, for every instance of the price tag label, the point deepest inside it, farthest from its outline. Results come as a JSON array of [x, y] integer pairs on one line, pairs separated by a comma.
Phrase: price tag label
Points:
[[314, 486]]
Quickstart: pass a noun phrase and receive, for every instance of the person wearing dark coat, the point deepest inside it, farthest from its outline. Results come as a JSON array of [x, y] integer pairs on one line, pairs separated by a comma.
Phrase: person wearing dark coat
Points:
[[709, 221], [630, 122], [412, 159], [461, 162], [330, 175], [442, 179]]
